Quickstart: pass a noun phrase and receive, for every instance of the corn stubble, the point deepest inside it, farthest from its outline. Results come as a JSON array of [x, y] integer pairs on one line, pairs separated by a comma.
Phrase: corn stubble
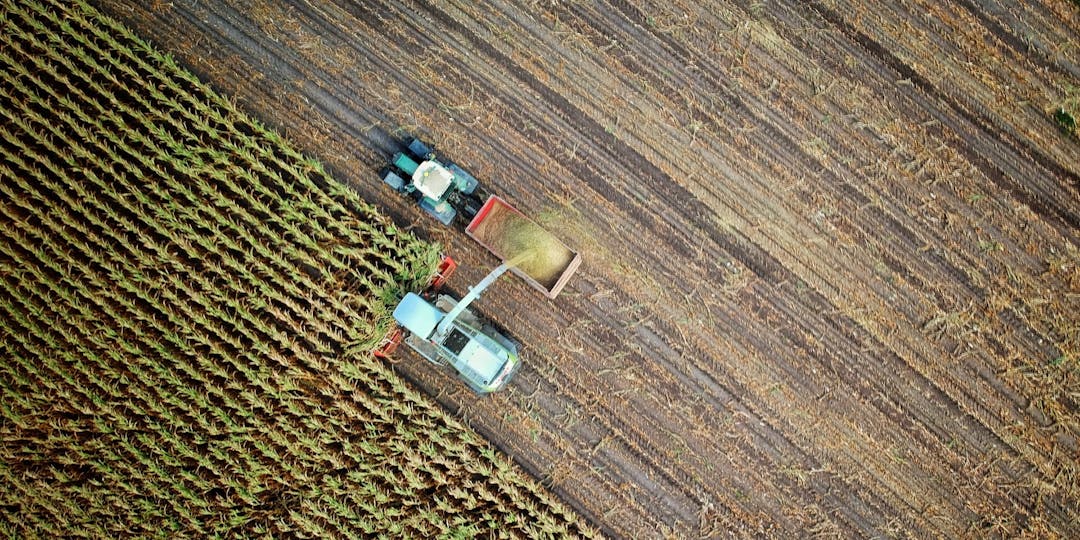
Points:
[[186, 303]]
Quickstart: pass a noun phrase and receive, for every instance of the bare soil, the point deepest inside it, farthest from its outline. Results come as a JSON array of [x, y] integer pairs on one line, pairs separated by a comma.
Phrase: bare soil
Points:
[[830, 282]]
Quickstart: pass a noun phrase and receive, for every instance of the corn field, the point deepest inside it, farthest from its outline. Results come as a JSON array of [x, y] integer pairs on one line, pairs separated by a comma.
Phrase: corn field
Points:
[[186, 309]]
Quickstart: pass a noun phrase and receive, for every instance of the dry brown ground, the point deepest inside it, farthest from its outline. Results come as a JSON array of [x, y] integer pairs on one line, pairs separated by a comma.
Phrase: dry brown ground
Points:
[[831, 280]]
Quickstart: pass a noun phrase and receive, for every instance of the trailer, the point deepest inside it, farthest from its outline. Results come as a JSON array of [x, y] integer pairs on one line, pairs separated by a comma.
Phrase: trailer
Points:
[[545, 262], [448, 193]]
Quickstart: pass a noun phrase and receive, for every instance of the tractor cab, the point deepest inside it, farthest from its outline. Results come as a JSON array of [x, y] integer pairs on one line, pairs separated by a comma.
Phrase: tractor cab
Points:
[[432, 179]]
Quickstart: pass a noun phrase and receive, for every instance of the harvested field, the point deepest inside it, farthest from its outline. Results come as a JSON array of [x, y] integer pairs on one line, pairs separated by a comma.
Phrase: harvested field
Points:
[[187, 310], [831, 279]]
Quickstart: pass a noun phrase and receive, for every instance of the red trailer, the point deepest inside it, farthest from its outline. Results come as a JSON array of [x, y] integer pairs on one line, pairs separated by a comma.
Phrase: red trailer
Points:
[[545, 262]]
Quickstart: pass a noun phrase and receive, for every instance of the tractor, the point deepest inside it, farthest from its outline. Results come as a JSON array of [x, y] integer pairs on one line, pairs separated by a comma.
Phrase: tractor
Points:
[[443, 189]]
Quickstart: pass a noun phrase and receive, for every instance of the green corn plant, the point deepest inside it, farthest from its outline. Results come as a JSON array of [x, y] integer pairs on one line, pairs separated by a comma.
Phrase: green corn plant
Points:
[[267, 211]]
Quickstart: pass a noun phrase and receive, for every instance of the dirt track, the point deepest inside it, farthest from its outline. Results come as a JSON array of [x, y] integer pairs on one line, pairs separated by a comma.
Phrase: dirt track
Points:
[[830, 281]]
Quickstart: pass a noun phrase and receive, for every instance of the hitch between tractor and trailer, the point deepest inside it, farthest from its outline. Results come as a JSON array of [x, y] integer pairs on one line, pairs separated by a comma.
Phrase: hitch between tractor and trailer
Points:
[[441, 188]]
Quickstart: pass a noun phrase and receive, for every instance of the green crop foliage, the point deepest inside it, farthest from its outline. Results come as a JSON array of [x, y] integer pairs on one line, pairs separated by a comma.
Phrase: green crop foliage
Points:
[[187, 305]]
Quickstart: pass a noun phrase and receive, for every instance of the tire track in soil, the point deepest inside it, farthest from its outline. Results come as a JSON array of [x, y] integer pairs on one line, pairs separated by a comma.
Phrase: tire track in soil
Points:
[[1008, 394], [951, 270], [1046, 200], [848, 324], [998, 20], [684, 199], [641, 445], [797, 156], [954, 272], [1011, 396], [1014, 42]]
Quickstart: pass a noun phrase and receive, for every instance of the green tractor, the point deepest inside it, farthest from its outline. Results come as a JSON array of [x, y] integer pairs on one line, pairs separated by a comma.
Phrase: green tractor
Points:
[[443, 189]]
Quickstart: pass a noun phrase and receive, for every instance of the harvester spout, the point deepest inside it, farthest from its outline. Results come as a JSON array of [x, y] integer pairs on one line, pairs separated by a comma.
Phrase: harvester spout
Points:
[[475, 291]]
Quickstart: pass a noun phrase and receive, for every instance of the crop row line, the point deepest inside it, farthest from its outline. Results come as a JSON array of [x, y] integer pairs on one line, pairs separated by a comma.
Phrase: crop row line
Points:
[[251, 144], [183, 285]]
